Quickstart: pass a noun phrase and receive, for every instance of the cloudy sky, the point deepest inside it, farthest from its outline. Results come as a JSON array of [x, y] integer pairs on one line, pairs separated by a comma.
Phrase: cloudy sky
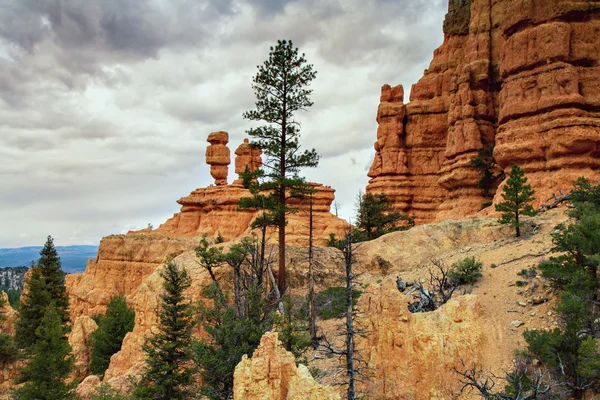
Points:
[[105, 105]]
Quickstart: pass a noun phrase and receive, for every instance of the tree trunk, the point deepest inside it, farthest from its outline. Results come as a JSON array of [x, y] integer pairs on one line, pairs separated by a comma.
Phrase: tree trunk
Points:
[[312, 312], [349, 322], [281, 278]]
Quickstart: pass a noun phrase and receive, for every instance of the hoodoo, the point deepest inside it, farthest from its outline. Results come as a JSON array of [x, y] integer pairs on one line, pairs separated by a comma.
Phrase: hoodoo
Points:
[[520, 76]]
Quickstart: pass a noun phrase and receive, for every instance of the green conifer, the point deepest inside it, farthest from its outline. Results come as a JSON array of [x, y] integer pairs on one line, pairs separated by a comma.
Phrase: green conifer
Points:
[[45, 284], [168, 375], [108, 337], [517, 196], [281, 89], [50, 363]]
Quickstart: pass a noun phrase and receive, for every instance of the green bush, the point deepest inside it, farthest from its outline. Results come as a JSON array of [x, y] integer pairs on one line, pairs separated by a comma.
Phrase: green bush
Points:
[[106, 392], [467, 271]]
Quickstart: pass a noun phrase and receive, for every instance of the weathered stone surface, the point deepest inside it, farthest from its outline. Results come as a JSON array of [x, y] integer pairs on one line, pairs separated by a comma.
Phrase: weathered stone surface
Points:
[[123, 262], [521, 75], [81, 347], [88, 386], [248, 158], [412, 356], [9, 316], [271, 374], [218, 156]]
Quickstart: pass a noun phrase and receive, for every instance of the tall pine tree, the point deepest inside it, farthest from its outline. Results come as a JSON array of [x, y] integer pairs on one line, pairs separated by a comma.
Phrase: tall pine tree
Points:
[[517, 196], [50, 362], [44, 284], [168, 375], [280, 89]]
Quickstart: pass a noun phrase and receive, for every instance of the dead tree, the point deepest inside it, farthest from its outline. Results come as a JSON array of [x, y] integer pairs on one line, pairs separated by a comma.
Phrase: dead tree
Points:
[[556, 200], [523, 384], [350, 330], [441, 288], [312, 310]]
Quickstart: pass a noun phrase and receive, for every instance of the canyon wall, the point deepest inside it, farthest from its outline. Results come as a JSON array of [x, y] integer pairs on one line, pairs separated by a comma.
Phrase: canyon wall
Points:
[[520, 75]]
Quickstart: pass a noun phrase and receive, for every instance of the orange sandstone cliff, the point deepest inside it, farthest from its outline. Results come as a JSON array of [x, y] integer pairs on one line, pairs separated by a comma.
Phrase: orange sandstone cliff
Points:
[[521, 75]]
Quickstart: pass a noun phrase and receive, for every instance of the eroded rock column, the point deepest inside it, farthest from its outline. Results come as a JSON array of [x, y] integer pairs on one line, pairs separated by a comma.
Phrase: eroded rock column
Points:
[[218, 156]]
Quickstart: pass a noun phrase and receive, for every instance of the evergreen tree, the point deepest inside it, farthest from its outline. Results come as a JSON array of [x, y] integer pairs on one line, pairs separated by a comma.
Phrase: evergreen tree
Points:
[[50, 363], [168, 375], [235, 330], [517, 196], [230, 338], [571, 351], [107, 338], [45, 284], [375, 218], [487, 166], [280, 89], [54, 277]]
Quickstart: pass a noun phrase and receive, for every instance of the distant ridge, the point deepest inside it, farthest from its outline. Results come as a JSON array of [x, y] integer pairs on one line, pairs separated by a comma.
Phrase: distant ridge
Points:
[[73, 258]]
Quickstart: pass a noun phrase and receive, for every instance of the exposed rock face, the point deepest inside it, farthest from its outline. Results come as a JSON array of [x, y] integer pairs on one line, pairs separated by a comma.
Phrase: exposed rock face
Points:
[[9, 316], [218, 156], [123, 262], [413, 356], [521, 75], [248, 158], [79, 339], [271, 374]]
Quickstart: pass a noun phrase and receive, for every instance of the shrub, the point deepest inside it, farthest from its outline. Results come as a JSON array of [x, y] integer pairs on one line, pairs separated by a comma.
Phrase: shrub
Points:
[[384, 265], [467, 271]]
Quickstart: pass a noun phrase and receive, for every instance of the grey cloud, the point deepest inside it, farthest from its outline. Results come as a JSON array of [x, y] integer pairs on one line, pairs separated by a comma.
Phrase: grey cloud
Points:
[[105, 106]]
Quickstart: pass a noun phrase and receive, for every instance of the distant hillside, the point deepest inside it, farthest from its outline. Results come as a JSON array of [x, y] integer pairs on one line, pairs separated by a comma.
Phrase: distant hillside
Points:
[[73, 258], [12, 278]]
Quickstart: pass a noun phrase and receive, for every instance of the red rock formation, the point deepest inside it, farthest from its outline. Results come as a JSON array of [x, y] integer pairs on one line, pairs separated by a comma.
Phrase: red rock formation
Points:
[[218, 156], [522, 75], [248, 158]]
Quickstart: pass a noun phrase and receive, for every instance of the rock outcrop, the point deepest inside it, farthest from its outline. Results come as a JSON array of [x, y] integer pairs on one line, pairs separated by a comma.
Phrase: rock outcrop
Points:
[[248, 159], [218, 156], [271, 374], [412, 356], [523, 76]]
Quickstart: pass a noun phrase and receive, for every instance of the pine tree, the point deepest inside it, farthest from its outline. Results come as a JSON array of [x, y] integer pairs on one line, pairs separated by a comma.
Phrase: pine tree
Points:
[[45, 283], [107, 338], [51, 270], [375, 217], [517, 196], [280, 89], [50, 363], [168, 375]]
